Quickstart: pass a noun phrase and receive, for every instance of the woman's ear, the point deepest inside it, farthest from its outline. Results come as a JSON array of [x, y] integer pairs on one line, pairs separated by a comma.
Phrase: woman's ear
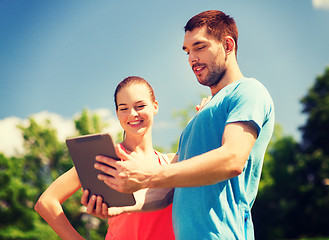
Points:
[[156, 107]]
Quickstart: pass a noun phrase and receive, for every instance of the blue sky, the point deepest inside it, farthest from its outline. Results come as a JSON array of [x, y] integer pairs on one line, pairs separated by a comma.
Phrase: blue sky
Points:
[[63, 56]]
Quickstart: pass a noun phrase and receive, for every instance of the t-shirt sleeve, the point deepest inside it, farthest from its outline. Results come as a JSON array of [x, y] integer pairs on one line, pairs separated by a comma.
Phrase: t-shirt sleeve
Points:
[[249, 101]]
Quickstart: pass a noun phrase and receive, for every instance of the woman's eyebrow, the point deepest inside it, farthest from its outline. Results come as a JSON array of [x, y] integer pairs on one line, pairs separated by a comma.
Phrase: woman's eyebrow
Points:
[[122, 104]]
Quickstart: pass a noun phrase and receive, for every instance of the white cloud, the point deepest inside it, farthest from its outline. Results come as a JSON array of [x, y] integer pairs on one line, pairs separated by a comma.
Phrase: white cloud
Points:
[[64, 127], [321, 4], [11, 140]]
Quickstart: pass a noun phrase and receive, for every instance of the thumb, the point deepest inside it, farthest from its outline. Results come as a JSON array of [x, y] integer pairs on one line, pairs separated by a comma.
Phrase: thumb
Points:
[[121, 153]]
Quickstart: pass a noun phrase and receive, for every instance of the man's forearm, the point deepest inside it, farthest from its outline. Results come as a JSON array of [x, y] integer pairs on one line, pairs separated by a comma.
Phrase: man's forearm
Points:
[[211, 167], [206, 169]]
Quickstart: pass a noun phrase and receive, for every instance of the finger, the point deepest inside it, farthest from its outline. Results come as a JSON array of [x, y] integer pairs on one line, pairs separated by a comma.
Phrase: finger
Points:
[[91, 204], [204, 101], [121, 153], [99, 201], [108, 161], [111, 182], [84, 197], [104, 210], [105, 168]]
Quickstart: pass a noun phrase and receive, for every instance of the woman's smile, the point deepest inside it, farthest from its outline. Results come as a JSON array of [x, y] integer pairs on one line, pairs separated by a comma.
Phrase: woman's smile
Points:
[[135, 123]]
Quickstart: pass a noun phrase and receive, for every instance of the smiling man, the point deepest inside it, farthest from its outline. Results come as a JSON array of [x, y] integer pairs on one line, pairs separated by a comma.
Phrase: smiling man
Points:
[[218, 165]]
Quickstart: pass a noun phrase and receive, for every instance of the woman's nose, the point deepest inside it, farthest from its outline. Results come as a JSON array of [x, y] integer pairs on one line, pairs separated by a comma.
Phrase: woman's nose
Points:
[[133, 112]]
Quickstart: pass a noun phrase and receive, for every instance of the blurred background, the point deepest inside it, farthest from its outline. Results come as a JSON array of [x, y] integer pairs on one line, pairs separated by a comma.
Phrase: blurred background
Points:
[[61, 61]]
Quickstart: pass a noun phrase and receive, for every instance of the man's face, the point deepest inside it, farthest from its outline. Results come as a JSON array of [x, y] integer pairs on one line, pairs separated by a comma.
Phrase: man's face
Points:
[[206, 56]]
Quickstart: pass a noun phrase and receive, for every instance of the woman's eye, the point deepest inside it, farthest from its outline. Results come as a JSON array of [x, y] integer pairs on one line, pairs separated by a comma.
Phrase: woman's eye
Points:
[[141, 106], [123, 109]]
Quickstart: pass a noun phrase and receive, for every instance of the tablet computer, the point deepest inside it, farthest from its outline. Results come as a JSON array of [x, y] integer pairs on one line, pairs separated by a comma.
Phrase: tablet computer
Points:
[[83, 150]]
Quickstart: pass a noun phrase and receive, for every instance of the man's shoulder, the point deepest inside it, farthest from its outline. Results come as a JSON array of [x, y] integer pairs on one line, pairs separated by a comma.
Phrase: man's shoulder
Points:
[[244, 82]]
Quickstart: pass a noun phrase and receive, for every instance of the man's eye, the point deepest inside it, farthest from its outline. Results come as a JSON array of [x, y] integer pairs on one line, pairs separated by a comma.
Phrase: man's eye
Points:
[[123, 109], [200, 48]]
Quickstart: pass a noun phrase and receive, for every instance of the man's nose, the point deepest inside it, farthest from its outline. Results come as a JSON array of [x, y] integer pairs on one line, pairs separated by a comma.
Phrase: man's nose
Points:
[[193, 58]]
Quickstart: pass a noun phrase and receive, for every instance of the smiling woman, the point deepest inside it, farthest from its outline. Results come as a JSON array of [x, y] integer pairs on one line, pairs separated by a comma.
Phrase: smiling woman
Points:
[[135, 107]]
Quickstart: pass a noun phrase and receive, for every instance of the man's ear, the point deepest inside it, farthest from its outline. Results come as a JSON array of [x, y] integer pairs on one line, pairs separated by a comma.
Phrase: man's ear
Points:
[[229, 44]]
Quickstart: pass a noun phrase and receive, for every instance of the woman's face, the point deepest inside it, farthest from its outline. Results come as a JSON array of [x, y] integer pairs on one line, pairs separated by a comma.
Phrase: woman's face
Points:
[[136, 109]]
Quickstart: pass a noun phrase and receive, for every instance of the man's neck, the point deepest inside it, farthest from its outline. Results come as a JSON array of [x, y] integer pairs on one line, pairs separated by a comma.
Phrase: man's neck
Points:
[[232, 74]]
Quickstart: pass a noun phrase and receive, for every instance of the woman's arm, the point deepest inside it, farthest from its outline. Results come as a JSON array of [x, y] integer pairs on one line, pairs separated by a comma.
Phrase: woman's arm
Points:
[[49, 204]]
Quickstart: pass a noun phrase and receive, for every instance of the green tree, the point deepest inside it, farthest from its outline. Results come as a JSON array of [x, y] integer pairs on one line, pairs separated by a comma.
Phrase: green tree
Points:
[[89, 123], [278, 195], [314, 146], [16, 200], [316, 105], [24, 179], [293, 200], [45, 156]]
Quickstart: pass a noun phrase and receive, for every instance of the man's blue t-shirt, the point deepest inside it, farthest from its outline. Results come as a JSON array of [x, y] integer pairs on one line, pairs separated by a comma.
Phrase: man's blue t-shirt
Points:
[[222, 210]]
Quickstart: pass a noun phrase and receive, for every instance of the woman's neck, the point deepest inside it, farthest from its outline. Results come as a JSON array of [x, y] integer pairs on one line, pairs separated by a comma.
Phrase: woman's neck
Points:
[[138, 144]]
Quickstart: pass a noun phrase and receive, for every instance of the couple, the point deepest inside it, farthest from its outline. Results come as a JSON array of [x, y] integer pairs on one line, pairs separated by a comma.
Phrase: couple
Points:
[[217, 168]]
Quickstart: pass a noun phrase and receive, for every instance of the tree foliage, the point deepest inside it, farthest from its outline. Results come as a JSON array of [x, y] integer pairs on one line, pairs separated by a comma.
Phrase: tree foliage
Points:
[[316, 105], [293, 199], [24, 179]]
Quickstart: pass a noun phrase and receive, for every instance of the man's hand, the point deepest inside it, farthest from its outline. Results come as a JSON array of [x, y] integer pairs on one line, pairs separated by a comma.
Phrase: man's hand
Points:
[[128, 175]]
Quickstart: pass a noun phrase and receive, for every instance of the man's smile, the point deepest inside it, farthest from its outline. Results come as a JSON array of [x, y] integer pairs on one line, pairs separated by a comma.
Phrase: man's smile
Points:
[[198, 69]]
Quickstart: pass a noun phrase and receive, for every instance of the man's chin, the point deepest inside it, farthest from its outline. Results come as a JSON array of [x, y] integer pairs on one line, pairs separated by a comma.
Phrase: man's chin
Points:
[[203, 82]]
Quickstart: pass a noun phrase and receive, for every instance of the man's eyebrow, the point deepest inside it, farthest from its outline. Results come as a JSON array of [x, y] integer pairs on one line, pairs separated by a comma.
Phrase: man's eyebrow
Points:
[[194, 44]]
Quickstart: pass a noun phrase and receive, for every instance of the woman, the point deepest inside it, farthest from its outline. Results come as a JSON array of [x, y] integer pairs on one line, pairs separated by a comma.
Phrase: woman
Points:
[[135, 108]]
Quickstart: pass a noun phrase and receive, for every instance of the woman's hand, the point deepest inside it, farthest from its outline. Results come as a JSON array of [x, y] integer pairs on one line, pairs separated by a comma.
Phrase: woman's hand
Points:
[[146, 200], [97, 207], [204, 101]]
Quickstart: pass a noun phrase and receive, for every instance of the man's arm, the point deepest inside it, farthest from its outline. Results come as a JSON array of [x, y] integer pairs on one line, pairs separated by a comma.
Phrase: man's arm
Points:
[[214, 166]]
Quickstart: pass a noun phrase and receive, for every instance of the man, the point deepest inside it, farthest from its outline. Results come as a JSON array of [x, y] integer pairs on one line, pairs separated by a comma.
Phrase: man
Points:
[[218, 164]]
